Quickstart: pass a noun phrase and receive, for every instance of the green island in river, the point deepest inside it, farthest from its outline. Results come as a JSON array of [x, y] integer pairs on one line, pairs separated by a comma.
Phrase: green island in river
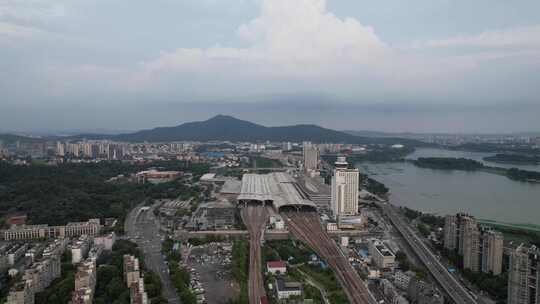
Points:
[[464, 164], [514, 159]]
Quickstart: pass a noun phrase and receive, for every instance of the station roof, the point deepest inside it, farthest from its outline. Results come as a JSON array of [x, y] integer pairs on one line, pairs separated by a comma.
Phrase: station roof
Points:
[[279, 188]]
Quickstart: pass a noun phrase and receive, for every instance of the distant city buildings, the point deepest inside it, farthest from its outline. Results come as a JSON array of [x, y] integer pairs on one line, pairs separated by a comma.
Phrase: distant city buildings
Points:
[[311, 157], [345, 183], [524, 276], [481, 248]]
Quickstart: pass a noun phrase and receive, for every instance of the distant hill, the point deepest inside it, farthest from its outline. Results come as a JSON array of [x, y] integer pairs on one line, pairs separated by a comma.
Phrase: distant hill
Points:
[[222, 127]]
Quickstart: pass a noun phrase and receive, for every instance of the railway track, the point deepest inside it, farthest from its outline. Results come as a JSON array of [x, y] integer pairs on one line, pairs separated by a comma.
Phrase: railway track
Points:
[[306, 226], [255, 218]]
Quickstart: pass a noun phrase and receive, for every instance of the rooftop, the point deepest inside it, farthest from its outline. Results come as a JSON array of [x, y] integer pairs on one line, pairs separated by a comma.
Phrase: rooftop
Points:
[[275, 264], [283, 285], [279, 188]]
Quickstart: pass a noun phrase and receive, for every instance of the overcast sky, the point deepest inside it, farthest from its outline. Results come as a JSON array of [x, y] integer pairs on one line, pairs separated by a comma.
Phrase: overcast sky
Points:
[[424, 65]]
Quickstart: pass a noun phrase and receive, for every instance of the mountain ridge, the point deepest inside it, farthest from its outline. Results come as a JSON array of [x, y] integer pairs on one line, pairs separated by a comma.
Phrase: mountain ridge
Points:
[[224, 127], [228, 128]]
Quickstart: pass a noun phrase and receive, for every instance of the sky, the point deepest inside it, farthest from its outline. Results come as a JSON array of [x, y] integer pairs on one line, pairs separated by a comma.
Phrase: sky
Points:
[[420, 66]]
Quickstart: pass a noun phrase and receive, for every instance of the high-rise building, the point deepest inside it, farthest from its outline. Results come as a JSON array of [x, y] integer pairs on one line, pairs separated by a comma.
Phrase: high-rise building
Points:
[[492, 252], [311, 157], [481, 249], [344, 189], [469, 243], [450, 232], [524, 276], [60, 149]]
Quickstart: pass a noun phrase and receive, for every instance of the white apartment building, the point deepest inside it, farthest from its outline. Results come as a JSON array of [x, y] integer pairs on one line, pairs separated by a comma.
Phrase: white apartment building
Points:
[[345, 184], [492, 252]]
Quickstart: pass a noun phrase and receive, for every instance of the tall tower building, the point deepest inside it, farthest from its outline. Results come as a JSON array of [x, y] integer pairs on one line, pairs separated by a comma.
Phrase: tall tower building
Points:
[[524, 276], [492, 252], [344, 189], [311, 157]]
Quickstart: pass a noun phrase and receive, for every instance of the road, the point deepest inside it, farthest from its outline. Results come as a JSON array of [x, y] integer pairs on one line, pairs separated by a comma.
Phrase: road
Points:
[[255, 217], [142, 227], [306, 226], [453, 288]]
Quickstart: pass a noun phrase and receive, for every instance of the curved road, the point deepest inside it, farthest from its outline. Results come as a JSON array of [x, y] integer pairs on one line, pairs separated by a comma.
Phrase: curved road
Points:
[[142, 227]]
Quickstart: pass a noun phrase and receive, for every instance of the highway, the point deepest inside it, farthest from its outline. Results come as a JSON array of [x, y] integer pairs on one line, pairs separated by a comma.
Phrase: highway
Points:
[[453, 288], [306, 226], [142, 227], [255, 218]]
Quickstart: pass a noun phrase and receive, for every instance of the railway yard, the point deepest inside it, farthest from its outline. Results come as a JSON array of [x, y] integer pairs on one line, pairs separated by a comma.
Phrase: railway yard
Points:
[[255, 217], [306, 226]]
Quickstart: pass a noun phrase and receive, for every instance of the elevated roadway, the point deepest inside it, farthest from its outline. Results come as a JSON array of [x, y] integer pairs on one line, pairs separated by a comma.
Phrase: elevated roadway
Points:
[[457, 292]]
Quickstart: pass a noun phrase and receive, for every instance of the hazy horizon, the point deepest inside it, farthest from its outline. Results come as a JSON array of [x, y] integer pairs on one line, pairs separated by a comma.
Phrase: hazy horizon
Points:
[[423, 67], [105, 131]]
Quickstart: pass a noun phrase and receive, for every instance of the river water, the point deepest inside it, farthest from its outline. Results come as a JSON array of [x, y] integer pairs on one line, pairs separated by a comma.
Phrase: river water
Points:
[[484, 195]]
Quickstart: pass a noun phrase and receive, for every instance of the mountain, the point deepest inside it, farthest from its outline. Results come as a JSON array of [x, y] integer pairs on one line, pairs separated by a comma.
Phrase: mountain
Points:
[[222, 127]]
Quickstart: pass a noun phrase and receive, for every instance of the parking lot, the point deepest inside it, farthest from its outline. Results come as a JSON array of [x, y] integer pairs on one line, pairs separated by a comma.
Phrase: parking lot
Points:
[[210, 268]]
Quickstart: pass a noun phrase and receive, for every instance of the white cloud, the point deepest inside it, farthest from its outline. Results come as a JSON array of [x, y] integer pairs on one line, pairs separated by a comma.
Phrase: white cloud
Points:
[[289, 38], [299, 45]]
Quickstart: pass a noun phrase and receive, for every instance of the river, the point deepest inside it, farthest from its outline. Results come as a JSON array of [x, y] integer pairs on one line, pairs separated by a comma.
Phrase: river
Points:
[[484, 195]]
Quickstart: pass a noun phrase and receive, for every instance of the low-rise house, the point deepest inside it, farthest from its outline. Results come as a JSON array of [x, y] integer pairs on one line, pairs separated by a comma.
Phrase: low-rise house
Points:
[[276, 267]]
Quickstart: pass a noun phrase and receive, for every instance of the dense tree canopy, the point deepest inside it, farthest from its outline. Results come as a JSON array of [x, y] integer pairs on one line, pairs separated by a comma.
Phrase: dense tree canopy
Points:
[[56, 195]]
